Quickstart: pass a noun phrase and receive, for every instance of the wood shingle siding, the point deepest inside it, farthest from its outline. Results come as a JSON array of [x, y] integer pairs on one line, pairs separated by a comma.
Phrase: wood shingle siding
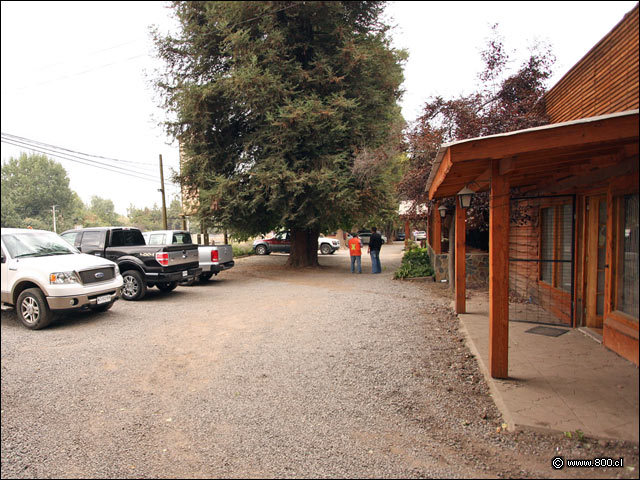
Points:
[[604, 81]]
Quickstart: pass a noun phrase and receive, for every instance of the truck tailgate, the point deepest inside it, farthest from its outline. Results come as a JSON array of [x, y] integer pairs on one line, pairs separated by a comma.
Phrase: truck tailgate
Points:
[[181, 254], [225, 253]]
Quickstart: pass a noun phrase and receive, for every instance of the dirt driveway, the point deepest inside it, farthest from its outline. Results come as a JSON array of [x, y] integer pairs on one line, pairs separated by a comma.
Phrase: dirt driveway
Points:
[[267, 372]]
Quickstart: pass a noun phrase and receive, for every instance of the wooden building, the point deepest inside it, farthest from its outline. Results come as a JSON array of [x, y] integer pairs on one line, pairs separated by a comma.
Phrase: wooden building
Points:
[[565, 247]]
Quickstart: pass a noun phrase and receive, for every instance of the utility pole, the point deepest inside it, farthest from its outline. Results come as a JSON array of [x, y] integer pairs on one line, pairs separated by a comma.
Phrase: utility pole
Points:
[[164, 204], [54, 218]]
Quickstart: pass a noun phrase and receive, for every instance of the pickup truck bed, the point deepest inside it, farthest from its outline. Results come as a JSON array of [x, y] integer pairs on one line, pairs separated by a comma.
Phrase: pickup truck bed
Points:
[[212, 259]]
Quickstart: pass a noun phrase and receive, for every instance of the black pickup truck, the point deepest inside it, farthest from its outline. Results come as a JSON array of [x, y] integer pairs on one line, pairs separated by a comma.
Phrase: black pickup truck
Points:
[[141, 265]]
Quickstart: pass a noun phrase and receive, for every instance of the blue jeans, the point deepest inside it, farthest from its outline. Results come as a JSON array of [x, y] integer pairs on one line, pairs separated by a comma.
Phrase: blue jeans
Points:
[[356, 260], [375, 261]]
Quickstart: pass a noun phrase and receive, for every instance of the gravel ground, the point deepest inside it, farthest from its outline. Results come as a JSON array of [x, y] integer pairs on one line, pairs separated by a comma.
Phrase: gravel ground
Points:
[[266, 372]]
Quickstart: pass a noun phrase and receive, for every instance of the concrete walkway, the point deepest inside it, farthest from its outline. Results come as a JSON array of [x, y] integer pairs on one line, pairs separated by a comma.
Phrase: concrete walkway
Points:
[[565, 383]]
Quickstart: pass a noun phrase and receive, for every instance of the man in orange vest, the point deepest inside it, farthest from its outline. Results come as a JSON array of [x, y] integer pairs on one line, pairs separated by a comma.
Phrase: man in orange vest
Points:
[[355, 251]]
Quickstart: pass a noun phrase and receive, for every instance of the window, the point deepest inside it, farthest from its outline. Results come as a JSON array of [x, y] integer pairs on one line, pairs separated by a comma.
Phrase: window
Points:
[[181, 238], [91, 239], [126, 238], [627, 274], [556, 246], [156, 239], [70, 237]]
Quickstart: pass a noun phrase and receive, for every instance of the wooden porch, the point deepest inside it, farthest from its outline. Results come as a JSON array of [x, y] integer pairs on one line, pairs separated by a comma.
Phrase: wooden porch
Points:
[[571, 157]]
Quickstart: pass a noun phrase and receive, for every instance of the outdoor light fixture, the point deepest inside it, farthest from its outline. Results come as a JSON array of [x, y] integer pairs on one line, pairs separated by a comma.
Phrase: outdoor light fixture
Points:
[[464, 196], [443, 211]]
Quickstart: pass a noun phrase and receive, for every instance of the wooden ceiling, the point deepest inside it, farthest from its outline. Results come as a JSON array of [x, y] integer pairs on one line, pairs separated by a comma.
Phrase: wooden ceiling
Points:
[[570, 155]]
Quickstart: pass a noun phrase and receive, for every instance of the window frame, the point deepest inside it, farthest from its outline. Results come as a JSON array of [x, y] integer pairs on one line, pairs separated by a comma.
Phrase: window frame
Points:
[[557, 245]]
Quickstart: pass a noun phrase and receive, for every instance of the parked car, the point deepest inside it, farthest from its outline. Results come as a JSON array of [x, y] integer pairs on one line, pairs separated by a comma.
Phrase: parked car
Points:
[[141, 265], [43, 276], [212, 258], [419, 235], [400, 236], [281, 242], [366, 236]]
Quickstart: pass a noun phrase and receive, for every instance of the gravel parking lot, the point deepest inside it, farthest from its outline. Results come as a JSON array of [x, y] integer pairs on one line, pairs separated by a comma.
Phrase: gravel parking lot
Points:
[[267, 372]]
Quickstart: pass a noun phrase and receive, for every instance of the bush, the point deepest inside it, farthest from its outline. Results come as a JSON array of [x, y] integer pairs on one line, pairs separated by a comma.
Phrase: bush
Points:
[[242, 250], [415, 263]]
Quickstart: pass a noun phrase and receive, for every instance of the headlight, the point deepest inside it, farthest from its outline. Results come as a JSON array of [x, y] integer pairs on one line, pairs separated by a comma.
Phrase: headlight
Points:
[[63, 277], [116, 270]]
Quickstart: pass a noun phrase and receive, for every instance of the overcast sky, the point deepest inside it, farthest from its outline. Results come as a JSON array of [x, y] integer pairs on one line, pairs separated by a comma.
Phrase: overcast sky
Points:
[[75, 75]]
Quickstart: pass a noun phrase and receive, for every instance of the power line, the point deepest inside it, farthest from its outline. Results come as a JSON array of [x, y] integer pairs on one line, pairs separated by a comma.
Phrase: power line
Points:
[[95, 164], [75, 74], [87, 54], [53, 151], [36, 142]]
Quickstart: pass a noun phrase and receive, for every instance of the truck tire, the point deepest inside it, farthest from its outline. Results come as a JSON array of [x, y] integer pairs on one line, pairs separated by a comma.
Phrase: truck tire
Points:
[[134, 286], [325, 249], [166, 287], [33, 309], [205, 277], [261, 250]]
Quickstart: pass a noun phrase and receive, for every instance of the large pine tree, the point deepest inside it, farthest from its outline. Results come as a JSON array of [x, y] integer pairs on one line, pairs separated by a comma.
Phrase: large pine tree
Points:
[[273, 102]]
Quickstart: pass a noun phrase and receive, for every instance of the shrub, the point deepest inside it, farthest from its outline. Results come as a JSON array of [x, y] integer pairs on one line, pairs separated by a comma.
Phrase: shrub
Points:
[[242, 250], [415, 263]]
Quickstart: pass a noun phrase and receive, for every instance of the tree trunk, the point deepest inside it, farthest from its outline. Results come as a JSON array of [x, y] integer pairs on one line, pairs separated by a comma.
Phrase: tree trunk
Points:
[[304, 248]]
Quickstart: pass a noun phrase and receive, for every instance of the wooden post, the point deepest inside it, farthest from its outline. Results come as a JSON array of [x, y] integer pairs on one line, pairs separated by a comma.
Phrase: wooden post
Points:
[[407, 234], [437, 230], [461, 255], [498, 274]]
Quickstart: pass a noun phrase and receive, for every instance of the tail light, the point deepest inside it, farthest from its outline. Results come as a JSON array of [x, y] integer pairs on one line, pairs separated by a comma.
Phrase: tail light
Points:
[[214, 256], [162, 258]]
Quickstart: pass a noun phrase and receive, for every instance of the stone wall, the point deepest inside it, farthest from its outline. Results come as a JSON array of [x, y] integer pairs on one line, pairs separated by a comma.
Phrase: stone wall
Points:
[[477, 267]]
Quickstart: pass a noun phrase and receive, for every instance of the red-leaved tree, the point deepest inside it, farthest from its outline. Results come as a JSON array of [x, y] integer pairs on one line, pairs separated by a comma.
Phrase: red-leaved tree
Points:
[[503, 103]]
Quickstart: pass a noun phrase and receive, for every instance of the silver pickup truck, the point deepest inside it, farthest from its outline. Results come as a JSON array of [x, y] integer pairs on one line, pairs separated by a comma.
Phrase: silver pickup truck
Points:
[[212, 258]]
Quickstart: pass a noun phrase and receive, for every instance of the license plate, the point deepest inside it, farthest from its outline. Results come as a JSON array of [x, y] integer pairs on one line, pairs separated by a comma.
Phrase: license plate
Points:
[[185, 273], [103, 299]]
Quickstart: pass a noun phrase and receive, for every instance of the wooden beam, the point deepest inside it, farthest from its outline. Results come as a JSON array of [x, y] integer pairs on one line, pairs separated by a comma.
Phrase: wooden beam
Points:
[[461, 255], [626, 167], [498, 273], [437, 230], [441, 174], [579, 134]]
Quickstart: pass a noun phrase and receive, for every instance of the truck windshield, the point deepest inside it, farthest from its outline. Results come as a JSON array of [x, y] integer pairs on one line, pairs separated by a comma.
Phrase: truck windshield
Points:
[[36, 244]]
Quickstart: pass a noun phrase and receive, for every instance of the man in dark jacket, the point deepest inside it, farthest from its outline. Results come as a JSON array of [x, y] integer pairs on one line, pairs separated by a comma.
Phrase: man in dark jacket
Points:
[[375, 244]]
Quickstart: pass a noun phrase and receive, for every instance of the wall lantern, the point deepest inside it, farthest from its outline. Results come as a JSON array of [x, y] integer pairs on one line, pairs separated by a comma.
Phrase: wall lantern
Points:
[[443, 211], [464, 197]]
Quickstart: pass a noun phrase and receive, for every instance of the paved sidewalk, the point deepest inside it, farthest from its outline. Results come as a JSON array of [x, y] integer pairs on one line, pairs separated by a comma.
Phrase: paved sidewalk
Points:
[[565, 383]]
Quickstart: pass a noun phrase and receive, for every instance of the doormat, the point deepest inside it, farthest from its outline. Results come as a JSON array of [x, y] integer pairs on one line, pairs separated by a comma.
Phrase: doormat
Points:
[[548, 331]]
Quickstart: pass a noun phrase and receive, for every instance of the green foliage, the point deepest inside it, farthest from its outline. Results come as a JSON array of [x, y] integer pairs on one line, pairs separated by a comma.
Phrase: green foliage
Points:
[[285, 112], [101, 213], [415, 263], [31, 184], [241, 250], [151, 218]]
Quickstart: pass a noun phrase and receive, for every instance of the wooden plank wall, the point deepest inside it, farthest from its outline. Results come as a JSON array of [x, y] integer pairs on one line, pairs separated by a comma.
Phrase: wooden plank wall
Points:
[[604, 81]]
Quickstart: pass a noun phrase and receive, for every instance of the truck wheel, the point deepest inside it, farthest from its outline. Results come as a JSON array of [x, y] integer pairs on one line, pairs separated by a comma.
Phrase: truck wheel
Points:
[[325, 249], [205, 277], [166, 287], [261, 250], [134, 287], [33, 309]]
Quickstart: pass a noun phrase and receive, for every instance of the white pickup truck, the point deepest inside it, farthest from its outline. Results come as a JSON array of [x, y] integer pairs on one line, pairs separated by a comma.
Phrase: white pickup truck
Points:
[[43, 276], [212, 258]]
